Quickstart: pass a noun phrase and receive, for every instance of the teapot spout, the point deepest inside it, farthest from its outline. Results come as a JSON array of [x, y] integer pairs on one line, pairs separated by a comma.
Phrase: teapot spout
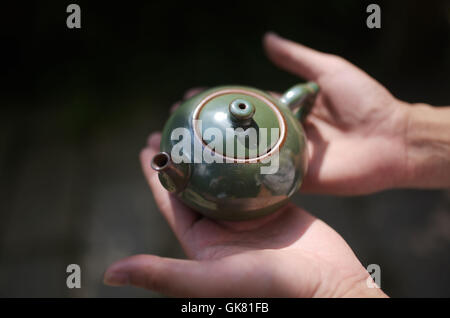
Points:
[[173, 177]]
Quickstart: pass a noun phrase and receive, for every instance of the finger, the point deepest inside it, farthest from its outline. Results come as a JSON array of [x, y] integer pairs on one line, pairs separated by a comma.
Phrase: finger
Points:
[[189, 278], [175, 106], [179, 217], [189, 93], [172, 277], [193, 91], [153, 140], [297, 58], [275, 94]]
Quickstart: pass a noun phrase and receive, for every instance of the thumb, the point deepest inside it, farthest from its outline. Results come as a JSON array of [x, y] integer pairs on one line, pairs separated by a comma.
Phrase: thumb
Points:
[[224, 277], [168, 276], [296, 58]]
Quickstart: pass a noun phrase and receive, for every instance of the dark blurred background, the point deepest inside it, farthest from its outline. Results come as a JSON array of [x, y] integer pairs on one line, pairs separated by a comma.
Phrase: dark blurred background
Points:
[[78, 105]]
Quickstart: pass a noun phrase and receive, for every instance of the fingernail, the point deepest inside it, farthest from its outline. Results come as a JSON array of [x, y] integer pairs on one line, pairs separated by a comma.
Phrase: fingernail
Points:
[[116, 279]]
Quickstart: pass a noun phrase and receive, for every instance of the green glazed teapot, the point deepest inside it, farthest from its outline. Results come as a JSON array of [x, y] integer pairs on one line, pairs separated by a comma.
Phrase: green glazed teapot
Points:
[[234, 152]]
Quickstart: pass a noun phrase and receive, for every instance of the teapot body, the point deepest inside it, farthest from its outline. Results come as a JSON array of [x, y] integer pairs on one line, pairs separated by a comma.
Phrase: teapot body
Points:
[[227, 185]]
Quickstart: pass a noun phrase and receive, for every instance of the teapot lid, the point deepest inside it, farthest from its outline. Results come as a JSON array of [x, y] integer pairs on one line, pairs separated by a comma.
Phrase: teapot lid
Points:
[[242, 118]]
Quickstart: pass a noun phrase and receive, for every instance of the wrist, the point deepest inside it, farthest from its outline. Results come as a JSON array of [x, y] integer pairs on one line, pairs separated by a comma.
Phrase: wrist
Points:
[[427, 141]]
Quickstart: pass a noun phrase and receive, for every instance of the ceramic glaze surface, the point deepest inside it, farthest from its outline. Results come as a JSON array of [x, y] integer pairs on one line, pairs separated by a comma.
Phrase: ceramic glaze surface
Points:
[[235, 189]]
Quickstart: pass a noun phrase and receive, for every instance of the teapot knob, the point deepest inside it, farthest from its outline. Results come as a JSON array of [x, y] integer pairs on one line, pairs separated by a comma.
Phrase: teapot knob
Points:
[[241, 111]]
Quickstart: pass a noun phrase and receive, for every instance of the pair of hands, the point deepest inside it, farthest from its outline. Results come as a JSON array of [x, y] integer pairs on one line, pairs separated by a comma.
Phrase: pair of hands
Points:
[[356, 133]]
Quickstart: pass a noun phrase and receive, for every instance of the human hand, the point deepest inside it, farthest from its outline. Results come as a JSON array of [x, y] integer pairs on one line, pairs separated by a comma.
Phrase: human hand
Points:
[[356, 130], [287, 254]]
